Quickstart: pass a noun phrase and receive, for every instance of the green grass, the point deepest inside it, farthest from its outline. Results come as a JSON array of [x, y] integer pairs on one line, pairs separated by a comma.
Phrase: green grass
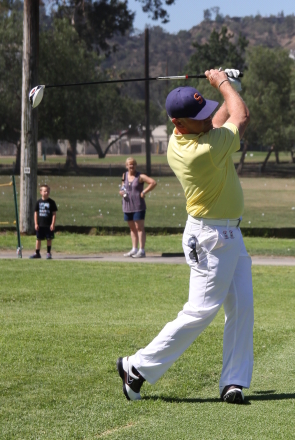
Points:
[[95, 201], [63, 325], [92, 244], [92, 159]]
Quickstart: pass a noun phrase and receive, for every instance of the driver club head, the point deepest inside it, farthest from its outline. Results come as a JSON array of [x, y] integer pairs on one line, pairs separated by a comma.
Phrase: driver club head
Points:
[[36, 95]]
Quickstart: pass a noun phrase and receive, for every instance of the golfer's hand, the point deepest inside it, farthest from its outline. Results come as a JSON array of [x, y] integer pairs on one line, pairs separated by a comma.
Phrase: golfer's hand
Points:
[[233, 75], [215, 77]]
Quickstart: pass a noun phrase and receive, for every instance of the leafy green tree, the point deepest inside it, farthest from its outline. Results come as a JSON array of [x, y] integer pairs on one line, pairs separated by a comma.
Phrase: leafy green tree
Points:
[[290, 130], [267, 86], [207, 14], [71, 112], [10, 73], [96, 22], [220, 51], [155, 8], [79, 113]]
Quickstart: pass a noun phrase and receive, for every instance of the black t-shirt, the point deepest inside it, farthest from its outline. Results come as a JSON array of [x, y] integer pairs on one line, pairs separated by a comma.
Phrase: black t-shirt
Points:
[[45, 208]]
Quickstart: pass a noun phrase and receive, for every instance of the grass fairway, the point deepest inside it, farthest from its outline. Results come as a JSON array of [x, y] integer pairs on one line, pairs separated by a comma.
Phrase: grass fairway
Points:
[[95, 201], [80, 244], [63, 325], [251, 156]]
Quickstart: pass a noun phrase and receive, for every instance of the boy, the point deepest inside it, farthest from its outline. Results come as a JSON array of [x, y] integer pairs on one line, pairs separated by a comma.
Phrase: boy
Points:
[[44, 217]]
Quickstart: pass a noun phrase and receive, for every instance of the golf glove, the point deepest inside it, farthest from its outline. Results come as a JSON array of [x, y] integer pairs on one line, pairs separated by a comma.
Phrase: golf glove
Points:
[[233, 76]]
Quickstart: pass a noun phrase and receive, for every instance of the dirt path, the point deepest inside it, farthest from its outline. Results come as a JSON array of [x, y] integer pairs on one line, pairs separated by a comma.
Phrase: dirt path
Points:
[[151, 258]]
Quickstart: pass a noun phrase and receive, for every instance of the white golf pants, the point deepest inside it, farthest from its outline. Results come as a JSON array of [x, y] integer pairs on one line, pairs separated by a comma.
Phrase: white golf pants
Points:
[[222, 276]]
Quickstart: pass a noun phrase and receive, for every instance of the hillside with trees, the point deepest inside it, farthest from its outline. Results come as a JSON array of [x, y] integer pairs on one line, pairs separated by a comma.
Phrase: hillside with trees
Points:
[[87, 48], [173, 51]]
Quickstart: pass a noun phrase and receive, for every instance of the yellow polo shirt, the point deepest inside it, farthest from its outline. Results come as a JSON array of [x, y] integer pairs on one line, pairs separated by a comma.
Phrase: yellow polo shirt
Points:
[[204, 166]]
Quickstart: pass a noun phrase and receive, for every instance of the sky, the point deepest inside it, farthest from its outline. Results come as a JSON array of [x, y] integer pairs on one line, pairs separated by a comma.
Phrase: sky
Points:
[[188, 13]]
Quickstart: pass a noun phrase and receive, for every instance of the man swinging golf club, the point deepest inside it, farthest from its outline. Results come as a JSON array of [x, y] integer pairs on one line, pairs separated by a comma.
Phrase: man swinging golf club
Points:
[[199, 153]]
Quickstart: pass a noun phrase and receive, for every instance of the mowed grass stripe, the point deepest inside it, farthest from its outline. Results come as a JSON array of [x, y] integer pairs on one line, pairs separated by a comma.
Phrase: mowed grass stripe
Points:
[[64, 325], [95, 202], [80, 244]]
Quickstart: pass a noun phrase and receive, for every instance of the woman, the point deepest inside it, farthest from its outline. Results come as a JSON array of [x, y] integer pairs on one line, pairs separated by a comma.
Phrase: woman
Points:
[[134, 206]]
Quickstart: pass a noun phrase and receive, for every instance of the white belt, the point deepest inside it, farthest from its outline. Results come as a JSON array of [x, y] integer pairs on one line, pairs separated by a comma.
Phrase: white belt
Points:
[[214, 222]]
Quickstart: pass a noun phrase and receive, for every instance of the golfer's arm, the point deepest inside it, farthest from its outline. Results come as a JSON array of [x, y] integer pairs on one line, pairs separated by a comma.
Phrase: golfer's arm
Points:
[[221, 116], [238, 113]]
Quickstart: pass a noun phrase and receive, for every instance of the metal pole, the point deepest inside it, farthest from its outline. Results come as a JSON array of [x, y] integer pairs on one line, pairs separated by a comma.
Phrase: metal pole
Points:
[[19, 247], [147, 106]]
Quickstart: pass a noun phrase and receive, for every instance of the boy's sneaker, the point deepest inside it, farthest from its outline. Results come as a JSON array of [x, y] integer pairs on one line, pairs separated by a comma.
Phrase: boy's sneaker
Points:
[[132, 380], [35, 255], [130, 253], [232, 394], [139, 254], [48, 256]]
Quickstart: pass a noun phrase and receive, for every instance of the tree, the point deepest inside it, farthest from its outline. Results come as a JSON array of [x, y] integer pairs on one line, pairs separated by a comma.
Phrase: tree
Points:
[[96, 22], [207, 14], [220, 51], [67, 113], [11, 74], [80, 113], [155, 8], [267, 93], [122, 115], [290, 130]]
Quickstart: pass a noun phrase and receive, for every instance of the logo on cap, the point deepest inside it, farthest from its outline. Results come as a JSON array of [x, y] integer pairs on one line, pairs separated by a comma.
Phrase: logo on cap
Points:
[[198, 98]]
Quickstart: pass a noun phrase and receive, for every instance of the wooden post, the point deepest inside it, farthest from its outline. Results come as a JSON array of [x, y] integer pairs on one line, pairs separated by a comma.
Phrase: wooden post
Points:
[[29, 127], [147, 107]]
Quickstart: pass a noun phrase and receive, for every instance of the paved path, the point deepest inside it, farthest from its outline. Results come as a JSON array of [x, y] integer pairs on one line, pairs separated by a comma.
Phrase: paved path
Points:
[[151, 258]]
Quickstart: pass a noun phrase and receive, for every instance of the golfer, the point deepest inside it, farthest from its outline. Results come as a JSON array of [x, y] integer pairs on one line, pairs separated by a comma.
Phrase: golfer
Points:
[[199, 153]]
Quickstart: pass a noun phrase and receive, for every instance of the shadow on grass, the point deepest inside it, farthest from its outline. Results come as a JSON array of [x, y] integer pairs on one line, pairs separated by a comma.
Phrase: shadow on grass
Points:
[[258, 396], [191, 400], [269, 395]]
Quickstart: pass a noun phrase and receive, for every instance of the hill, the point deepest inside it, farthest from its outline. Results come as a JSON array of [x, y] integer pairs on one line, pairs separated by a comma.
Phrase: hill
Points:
[[169, 53]]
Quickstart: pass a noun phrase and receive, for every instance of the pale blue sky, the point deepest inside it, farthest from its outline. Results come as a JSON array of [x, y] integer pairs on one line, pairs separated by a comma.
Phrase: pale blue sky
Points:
[[188, 13]]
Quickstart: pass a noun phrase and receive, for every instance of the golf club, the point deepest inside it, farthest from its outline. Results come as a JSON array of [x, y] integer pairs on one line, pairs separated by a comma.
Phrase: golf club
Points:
[[36, 94]]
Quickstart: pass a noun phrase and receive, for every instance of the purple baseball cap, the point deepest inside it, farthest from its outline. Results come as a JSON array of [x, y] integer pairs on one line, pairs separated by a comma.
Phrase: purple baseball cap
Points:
[[187, 102]]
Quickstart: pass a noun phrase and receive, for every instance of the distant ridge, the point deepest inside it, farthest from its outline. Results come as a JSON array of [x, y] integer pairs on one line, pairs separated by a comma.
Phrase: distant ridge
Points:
[[273, 31]]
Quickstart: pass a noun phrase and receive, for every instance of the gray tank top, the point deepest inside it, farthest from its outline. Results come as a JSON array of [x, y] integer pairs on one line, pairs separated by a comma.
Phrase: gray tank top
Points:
[[133, 202]]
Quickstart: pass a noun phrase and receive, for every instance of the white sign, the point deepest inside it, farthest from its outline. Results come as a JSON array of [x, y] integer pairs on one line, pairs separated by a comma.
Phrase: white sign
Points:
[[27, 170]]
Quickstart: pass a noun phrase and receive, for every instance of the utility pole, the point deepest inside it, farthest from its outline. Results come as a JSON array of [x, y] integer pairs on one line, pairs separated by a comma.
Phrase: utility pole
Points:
[[147, 106], [29, 127]]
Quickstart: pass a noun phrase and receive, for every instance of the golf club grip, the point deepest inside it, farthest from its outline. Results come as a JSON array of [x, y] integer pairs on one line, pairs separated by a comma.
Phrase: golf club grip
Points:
[[204, 76]]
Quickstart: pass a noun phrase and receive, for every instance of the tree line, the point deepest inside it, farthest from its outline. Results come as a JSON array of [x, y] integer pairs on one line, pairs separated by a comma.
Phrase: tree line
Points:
[[71, 50], [73, 47], [268, 87]]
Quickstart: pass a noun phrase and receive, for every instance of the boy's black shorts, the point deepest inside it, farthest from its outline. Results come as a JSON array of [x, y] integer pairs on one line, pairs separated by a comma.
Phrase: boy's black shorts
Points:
[[44, 233]]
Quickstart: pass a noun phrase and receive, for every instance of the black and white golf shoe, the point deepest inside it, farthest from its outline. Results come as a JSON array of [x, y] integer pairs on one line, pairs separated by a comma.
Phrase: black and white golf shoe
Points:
[[232, 394], [132, 380]]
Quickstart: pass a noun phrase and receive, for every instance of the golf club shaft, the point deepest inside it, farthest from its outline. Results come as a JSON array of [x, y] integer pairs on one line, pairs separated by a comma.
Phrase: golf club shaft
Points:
[[158, 78]]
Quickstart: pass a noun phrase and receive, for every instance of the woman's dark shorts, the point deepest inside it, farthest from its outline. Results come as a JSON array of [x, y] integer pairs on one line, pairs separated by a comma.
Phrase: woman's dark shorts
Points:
[[134, 216], [44, 233]]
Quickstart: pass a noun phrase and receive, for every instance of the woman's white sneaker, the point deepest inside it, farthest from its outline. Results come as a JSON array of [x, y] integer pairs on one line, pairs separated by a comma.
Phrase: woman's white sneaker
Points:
[[131, 253], [139, 254]]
